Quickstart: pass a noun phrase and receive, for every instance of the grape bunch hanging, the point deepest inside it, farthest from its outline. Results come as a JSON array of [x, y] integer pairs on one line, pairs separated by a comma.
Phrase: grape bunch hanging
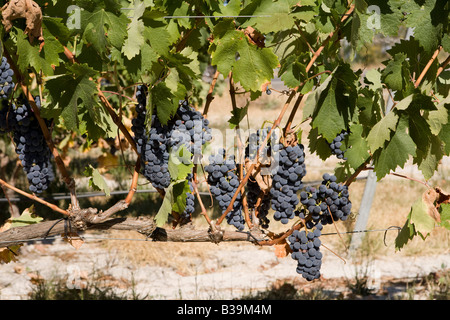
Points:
[[30, 145], [187, 128]]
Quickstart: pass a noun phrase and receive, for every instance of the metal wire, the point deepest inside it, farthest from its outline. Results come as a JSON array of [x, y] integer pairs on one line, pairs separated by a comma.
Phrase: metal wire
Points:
[[65, 196]]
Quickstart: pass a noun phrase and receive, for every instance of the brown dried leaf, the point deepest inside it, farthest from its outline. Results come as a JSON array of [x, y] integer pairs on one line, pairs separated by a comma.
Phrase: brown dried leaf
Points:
[[429, 198], [27, 9], [282, 249], [254, 36], [73, 239], [9, 254], [443, 197]]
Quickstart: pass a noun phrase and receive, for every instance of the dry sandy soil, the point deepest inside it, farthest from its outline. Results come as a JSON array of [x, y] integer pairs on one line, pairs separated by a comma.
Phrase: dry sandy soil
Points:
[[224, 271]]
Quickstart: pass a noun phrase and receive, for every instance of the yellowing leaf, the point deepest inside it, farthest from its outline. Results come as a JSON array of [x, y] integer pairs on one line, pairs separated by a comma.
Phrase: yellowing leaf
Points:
[[9, 254], [107, 161], [282, 249], [26, 218]]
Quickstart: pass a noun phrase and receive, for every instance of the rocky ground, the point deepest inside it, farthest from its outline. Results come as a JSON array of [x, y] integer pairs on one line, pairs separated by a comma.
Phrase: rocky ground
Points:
[[232, 272]]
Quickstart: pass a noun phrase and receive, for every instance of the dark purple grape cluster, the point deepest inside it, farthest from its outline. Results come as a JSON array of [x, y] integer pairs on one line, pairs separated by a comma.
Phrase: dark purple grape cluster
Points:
[[305, 246], [6, 79], [327, 203], [155, 144], [31, 146], [287, 181], [189, 209], [224, 181], [336, 144], [151, 144], [191, 129]]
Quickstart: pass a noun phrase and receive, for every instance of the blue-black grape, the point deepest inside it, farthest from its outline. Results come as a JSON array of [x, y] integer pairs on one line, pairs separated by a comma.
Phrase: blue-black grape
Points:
[[328, 202], [31, 146], [336, 144], [188, 128], [154, 144], [190, 203], [224, 181], [151, 144], [305, 246], [287, 181], [6, 79]]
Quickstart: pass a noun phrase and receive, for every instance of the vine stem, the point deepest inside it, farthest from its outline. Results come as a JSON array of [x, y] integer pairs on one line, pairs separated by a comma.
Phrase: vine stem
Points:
[[34, 197], [69, 181], [424, 71], [117, 120], [442, 66], [202, 206], [362, 167], [210, 97]]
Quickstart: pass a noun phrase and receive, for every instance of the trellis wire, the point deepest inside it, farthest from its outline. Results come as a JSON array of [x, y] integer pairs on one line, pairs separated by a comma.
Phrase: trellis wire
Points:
[[122, 192]]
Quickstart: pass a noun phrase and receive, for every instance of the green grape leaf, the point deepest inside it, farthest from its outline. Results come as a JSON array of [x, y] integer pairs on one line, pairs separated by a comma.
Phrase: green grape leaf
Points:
[[71, 90], [180, 163], [158, 35], [438, 118], [444, 135], [141, 64], [103, 28], [396, 151], [180, 191], [444, 212], [336, 104], [30, 55], [428, 159], [173, 199], [428, 18], [406, 234], [396, 74], [237, 115], [135, 37], [26, 218], [313, 98], [446, 42], [374, 17], [162, 97], [420, 216], [96, 180], [318, 144], [358, 151], [292, 71], [381, 132], [252, 66], [269, 16]]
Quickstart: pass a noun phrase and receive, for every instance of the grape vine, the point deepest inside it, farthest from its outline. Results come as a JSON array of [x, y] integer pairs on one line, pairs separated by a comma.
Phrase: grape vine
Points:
[[143, 78]]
